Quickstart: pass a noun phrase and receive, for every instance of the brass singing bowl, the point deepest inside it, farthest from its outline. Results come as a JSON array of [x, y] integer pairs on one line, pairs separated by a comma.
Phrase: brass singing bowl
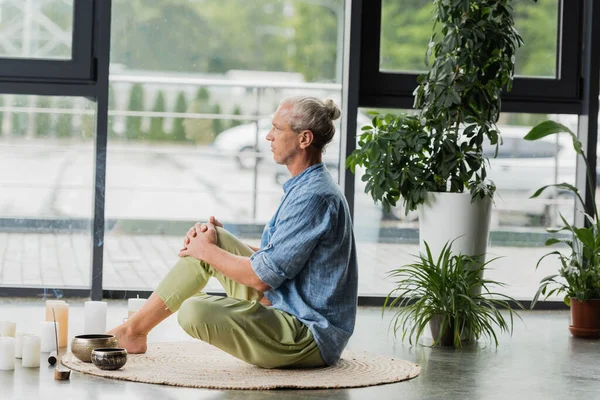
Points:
[[83, 345], [109, 359]]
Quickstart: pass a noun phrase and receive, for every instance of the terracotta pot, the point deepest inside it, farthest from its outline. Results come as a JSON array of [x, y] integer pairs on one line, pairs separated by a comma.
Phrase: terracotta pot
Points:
[[585, 318]]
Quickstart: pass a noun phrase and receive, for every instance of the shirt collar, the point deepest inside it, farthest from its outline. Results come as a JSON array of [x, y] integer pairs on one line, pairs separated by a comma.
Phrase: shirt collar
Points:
[[301, 176]]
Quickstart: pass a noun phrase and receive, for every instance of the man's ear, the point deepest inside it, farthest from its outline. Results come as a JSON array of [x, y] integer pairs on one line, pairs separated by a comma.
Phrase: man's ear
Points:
[[306, 139]]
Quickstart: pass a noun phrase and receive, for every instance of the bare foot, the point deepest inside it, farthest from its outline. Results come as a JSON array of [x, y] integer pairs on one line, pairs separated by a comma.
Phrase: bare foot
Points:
[[134, 343]]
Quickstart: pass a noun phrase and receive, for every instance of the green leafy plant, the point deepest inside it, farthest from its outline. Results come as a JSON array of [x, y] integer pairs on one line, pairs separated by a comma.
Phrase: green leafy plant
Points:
[[452, 290], [440, 148], [579, 274]]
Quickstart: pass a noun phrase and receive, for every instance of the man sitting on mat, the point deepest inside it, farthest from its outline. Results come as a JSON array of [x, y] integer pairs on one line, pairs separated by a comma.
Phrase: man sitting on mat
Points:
[[291, 303]]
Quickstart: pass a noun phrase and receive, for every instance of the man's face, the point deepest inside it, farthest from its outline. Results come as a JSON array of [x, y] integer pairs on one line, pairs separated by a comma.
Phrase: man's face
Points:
[[285, 143]]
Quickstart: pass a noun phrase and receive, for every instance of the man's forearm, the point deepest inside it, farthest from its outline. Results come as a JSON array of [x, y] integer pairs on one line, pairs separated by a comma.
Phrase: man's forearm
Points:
[[235, 267]]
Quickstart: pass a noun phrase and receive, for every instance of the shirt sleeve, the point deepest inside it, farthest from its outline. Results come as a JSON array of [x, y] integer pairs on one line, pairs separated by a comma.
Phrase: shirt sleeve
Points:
[[300, 225]]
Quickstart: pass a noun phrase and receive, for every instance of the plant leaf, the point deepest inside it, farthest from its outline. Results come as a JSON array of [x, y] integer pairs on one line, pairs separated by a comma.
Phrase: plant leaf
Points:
[[546, 128]]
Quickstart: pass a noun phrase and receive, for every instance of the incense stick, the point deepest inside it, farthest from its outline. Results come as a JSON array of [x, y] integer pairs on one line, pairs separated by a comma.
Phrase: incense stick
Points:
[[53, 356], [55, 330], [59, 373]]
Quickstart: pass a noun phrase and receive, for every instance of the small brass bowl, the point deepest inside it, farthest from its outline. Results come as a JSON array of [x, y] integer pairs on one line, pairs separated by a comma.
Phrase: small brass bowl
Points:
[[109, 359], [82, 345]]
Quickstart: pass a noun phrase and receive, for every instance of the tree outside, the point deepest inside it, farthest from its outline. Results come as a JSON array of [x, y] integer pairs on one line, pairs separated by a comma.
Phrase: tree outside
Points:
[[19, 118], [64, 122], [407, 28], [200, 130], [43, 122], [217, 122], [237, 110], [178, 132], [157, 124], [314, 46], [133, 125], [299, 36], [538, 25], [88, 123], [112, 106], [296, 36], [202, 95]]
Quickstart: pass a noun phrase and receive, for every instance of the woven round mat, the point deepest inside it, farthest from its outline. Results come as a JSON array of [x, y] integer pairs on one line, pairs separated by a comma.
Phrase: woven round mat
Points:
[[200, 365]]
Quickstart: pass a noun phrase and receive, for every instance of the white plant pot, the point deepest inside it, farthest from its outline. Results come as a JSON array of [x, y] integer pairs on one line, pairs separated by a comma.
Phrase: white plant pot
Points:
[[451, 216]]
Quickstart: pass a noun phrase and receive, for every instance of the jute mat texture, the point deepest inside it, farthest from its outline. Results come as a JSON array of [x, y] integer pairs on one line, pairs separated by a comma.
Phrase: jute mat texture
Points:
[[200, 365]]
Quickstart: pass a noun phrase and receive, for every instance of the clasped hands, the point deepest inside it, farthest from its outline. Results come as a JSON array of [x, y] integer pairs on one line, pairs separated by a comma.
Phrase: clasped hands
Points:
[[200, 238]]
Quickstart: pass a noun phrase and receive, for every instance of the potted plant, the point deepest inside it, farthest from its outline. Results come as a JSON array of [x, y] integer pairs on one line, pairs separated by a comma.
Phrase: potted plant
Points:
[[445, 290], [579, 275], [435, 157]]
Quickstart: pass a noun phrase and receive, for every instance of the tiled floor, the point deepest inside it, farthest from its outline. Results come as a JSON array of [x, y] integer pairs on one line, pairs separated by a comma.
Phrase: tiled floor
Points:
[[140, 261], [540, 361]]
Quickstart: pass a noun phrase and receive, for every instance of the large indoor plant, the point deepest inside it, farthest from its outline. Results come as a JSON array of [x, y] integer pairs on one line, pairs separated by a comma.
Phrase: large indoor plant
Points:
[[445, 290], [578, 277], [440, 148]]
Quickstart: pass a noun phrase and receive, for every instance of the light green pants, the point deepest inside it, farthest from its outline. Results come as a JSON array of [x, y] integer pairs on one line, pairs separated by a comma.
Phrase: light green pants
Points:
[[237, 324]]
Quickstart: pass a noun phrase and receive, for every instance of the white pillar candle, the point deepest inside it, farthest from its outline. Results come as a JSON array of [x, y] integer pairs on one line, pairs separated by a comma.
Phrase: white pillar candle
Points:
[[7, 353], [8, 329], [31, 351], [133, 305], [19, 344], [48, 336], [61, 311], [95, 317]]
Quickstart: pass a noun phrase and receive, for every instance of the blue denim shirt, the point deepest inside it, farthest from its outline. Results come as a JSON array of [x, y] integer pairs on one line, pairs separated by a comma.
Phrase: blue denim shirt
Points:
[[308, 258]]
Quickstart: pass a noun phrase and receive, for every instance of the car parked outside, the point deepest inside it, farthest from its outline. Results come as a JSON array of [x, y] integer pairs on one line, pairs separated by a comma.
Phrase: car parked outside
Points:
[[247, 145], [521, 167]]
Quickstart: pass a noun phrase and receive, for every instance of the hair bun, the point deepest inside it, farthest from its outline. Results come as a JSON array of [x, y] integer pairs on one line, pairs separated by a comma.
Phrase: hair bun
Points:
[[333, 110]]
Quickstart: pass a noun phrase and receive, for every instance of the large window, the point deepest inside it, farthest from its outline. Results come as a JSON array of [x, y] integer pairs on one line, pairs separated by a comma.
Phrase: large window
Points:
[[406, 28], [36, 29], [48, 39], [395, 39], [193, 85], [193, 88], [518, 227], [46, 181]]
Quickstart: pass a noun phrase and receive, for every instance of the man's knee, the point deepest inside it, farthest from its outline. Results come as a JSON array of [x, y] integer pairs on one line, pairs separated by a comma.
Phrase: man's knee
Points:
[[195, 265], [197, 311]]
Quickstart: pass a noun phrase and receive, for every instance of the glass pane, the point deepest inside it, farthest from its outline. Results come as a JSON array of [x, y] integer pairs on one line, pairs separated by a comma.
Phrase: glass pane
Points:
[[36, 29], [46, 182], [231, 39], [407, 27], [189, 116], [518, 227]]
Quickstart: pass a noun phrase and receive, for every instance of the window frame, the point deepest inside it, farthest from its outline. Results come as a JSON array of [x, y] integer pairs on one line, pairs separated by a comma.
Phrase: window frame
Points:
[[85, 75], [529, 94], [79, 68]]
